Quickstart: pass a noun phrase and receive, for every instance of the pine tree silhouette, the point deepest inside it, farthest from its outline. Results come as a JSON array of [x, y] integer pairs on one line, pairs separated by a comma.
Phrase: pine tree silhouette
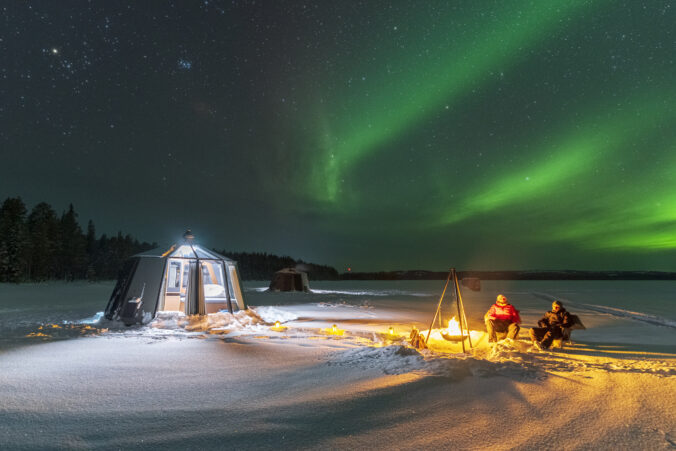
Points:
[[13, 240], [44, 244]]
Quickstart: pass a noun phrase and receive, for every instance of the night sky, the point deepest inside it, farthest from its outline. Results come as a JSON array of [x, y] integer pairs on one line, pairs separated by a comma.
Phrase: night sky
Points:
[[375, 135]]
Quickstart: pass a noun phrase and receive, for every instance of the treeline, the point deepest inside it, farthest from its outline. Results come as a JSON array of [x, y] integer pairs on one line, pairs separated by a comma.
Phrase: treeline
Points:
[[41, 245], [261, 266], [571, 274], [397, 275], [512, 275]]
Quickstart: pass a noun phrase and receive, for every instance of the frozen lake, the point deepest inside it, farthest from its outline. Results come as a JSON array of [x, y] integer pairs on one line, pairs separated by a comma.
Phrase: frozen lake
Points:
[[628, 312], [71, 379]]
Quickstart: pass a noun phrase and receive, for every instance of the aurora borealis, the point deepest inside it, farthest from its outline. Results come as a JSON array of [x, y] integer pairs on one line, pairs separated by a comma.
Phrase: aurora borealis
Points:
[[451, 70], [377, 135]]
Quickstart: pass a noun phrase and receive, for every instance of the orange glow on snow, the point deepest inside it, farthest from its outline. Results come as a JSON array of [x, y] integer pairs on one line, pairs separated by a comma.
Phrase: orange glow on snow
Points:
[[333, 330], [278, 327]]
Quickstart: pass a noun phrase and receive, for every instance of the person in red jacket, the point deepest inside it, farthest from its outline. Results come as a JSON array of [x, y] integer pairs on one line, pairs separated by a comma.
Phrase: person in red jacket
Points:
[[502, 317]]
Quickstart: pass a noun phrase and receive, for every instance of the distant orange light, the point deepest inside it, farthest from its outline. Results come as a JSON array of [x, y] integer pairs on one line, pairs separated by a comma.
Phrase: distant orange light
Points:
[[333, 330], [278, 327]]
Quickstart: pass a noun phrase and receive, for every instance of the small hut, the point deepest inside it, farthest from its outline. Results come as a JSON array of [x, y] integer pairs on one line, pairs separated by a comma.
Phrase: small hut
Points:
[[289, 279], [473, 283]]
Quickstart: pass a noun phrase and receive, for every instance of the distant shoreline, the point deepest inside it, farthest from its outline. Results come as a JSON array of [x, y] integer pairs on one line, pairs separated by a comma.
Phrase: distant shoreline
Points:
[[512, 275]]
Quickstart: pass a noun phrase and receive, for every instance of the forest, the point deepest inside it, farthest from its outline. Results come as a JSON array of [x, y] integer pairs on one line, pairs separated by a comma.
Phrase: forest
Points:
[[261, 266], [42, 245]]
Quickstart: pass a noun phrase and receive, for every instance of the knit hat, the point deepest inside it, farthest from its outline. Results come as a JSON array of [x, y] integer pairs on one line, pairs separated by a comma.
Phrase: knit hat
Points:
[[502, 300]]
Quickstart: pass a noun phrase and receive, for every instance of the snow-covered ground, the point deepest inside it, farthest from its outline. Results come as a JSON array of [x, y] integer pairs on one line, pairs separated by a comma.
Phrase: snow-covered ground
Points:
[[71, 379]]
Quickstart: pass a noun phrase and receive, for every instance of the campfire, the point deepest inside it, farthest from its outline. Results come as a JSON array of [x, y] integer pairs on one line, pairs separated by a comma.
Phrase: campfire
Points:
[[457, 331], [453, 332]]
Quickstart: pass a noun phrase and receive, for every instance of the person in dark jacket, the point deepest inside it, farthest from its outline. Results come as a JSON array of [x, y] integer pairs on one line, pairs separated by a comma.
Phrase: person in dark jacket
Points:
[[551, 326], [502, 317]]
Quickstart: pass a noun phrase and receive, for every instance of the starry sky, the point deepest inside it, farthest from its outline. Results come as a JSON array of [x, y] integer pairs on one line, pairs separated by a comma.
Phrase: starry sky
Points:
[[375, 135]]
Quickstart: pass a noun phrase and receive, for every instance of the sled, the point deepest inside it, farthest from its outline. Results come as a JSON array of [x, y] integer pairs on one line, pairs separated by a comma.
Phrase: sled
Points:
[[577, 323], [567, 331]]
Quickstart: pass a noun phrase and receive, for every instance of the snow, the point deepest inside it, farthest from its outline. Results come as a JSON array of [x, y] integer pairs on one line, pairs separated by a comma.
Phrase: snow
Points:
[[71, 379], [272, 314]]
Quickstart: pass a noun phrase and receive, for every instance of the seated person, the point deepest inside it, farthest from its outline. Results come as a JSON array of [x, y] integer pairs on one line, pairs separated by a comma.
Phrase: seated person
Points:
[[551, 326], [502, 317]]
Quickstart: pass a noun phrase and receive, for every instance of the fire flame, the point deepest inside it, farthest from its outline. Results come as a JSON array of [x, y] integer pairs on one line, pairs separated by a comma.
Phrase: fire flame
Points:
[[454, 327]]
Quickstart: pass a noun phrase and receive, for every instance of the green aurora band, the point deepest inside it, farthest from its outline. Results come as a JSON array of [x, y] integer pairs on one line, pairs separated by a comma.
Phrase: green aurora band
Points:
[[646, 219], [574, 157], [392, 110], [643, 220], [567, 185]]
